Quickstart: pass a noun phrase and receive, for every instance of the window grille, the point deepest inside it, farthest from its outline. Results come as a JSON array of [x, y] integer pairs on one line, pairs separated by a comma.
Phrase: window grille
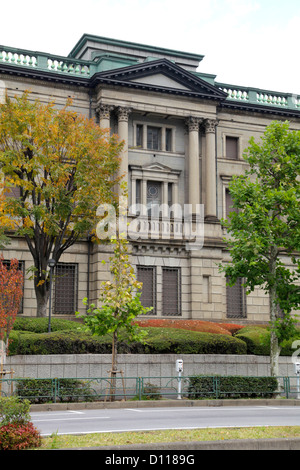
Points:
[[171, 291], [65, 289], [236, 300], [147, 275]]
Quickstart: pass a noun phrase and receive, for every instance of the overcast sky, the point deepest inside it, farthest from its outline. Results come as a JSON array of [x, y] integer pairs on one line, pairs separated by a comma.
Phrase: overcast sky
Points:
[[245, 42]]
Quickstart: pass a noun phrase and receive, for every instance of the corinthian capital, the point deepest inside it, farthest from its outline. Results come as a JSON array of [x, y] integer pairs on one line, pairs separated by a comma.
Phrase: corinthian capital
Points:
[[104, 111], [210, 125], [123, 113], [193, 123]]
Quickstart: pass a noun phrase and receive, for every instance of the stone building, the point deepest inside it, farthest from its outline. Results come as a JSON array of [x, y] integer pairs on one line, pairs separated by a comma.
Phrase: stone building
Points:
[[184, 135]]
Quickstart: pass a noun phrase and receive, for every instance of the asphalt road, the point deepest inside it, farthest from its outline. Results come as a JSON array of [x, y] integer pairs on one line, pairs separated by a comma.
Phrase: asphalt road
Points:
[[132, 419]]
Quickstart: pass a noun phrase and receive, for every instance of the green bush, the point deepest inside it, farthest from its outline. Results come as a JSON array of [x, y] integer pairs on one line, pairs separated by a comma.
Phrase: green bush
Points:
[[178, 341], [13, 410], [16, 430], [256, 338], [158, 341], [231, 387], [40, 325], [48, 390]]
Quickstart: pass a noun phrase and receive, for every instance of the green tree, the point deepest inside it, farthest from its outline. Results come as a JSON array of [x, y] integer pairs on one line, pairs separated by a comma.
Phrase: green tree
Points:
[[63, 166], [264, 229], [119, 304]]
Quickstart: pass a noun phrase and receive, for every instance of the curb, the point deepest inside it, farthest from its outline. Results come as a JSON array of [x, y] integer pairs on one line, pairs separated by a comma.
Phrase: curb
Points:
[[163, 404]]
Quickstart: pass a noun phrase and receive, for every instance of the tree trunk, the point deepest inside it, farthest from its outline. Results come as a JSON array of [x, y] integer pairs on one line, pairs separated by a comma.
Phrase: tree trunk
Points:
[[41, 302], [274, 344], [114, 366]]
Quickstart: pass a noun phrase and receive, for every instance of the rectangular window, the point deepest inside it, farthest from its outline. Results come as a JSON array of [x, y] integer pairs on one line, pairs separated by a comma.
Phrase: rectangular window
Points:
[[147, 275], [153, 138], [171, 291], [232, 146], [139, 135], [154, 199], [169, 140], [65, 289], [236, 300]]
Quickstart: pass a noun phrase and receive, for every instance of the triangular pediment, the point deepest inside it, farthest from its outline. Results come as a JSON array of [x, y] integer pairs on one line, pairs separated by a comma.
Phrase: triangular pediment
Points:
[[163, 76]]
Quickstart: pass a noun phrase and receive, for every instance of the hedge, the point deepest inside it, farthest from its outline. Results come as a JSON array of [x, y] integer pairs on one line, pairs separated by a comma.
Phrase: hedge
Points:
[[231, 387], [158, 341], [42, 390]]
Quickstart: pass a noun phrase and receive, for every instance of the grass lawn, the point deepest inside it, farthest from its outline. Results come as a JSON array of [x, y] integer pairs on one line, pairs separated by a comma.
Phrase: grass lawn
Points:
[[210, 434]]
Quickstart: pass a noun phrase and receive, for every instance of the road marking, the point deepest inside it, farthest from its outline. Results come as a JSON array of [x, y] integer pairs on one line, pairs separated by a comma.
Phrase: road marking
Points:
[[70, 419]]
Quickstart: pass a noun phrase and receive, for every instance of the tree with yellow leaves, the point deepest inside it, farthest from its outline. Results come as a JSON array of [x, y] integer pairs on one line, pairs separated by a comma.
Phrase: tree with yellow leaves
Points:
[[62, 165]]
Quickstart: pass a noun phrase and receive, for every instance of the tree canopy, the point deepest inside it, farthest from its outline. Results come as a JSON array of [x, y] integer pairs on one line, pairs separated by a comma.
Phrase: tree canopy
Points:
[[264, 228], [58, 167]]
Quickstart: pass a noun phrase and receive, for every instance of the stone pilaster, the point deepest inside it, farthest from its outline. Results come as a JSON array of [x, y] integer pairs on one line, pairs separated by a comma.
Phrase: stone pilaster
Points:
[[123, 115], [194, 175]]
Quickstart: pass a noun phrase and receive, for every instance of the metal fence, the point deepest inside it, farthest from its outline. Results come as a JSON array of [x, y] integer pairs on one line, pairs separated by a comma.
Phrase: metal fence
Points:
[[54, 390]]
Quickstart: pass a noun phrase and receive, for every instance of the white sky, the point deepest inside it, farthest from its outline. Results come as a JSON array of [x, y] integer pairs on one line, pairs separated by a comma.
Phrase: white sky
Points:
[[245, 42]]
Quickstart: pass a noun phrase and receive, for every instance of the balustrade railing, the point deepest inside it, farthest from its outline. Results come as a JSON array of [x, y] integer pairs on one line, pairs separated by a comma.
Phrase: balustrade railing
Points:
[[85, 68], [43, 61], [263, 97]]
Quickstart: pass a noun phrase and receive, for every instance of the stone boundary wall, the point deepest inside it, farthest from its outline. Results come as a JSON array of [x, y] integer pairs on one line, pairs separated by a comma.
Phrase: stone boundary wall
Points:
[[143, 365]]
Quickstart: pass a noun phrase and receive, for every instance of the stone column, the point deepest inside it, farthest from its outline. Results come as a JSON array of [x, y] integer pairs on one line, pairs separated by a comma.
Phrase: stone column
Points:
[[194, 175], [123, 114], [210, 170], [104, 115]]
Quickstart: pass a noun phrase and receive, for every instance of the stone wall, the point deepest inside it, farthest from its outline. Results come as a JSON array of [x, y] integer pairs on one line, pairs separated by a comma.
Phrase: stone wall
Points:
[[140, 365]]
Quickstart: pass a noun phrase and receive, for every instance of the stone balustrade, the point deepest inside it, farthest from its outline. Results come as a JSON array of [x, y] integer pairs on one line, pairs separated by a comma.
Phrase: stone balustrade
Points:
[[84, 68], [263, 97]]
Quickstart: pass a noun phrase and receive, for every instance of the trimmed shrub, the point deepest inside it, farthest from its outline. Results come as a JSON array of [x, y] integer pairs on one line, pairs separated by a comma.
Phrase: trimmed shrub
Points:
[[14, 436], [231, 387], [158, 341], [40, 325], [257, 339], [161, 341], [43, 390], [192, 325]]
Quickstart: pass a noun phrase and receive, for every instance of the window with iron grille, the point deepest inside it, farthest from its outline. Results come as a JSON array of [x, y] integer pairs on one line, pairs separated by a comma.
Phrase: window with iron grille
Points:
[[147, 275], [21, 267], [65, 289], [171, 291], [236, 300]]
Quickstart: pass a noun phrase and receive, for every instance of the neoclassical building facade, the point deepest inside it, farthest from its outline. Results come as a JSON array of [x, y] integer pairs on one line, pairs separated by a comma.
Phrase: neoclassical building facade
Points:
[[184, 135]]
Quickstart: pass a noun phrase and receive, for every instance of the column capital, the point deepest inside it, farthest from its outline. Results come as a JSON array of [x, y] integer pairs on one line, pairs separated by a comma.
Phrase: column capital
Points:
[[104, 110], [123, 113], [210, 125], [193, 123]]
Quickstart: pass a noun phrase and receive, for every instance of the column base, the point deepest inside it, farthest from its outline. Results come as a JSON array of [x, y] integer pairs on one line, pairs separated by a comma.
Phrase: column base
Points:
[[211, 219]]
